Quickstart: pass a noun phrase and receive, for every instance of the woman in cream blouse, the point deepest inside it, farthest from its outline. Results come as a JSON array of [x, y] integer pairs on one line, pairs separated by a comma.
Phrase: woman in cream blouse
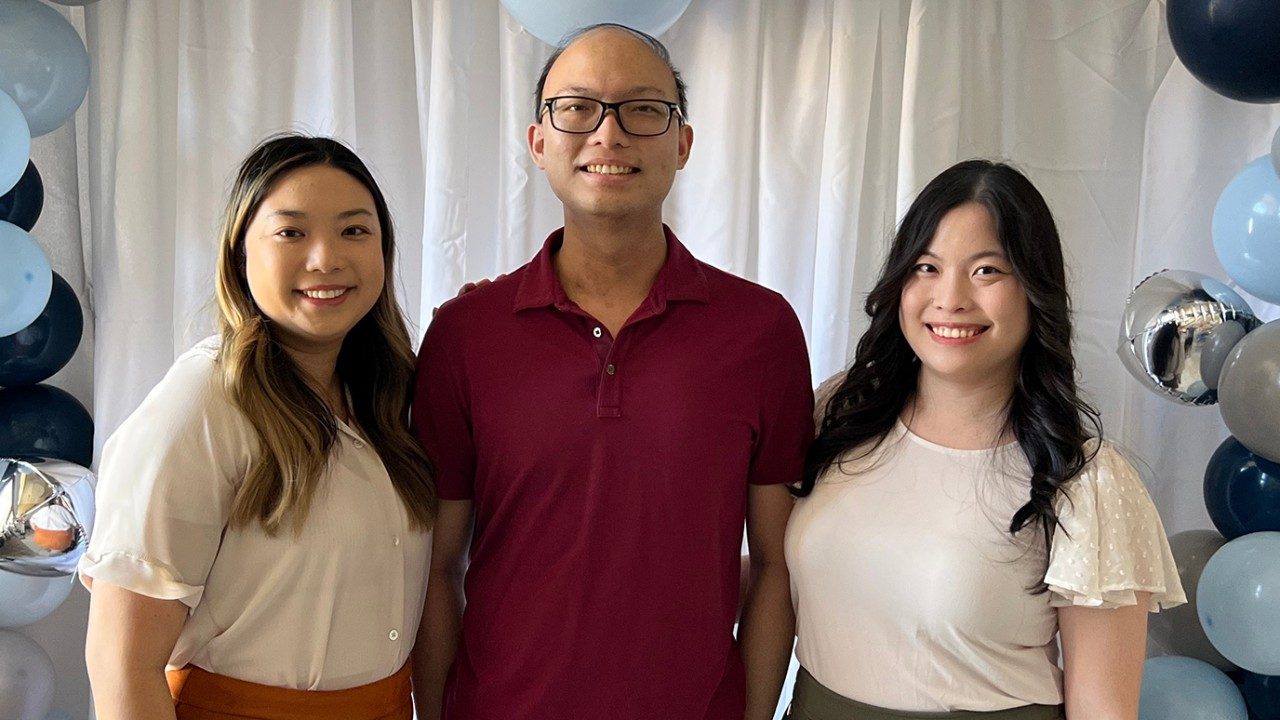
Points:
[[263, 516], [959, 513]]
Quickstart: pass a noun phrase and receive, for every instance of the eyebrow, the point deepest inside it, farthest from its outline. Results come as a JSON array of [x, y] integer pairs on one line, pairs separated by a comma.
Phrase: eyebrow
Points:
[[629, 92], [976, 256], [341, 216]]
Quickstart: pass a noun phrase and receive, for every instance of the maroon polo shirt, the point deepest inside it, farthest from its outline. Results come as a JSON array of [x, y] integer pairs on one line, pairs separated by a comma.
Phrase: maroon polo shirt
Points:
[[609, 476]]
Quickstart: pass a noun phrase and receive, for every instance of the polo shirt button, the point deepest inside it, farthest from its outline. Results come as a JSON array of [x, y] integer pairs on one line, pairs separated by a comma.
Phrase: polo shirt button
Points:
[[393, 635], [597, 332], [395, 541], [358, 444], [611, 369]]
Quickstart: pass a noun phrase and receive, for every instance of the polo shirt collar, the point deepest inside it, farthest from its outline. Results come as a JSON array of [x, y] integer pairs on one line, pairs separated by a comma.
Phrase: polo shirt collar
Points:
[[680, 279]]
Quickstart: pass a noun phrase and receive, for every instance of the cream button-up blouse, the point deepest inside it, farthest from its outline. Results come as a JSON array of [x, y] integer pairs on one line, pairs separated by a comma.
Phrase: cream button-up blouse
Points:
[[332, 607]]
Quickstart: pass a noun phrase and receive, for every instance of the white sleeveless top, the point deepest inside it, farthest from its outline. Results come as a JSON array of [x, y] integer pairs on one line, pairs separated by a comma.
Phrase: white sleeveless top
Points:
[[910, 594]]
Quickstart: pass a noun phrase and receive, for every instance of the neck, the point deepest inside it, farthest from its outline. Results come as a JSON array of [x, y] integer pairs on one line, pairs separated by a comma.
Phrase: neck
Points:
[[602, 259], [319, 366], [964, 415]]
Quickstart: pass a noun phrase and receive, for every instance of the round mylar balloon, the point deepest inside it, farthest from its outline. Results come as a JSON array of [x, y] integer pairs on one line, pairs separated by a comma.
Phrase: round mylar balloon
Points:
[[1246, 228], [21, 206], [25, 599], [1181, 688], [551, 20], [46, 516], [15, 143], [26, 678], [1229, 45], [1178, 630], [44, 422], [1249, 390], [26, 280], [43, 63], [42, 348], [1239, 602], [1241, 491], [1177, 330]]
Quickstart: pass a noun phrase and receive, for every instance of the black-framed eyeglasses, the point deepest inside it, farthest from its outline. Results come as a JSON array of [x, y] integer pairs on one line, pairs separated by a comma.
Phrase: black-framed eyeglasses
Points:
[[642, 117]]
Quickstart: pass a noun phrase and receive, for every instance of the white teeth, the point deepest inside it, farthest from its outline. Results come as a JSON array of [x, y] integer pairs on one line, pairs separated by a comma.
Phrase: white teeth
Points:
[[610, 169], [324, 294], [948, 332]]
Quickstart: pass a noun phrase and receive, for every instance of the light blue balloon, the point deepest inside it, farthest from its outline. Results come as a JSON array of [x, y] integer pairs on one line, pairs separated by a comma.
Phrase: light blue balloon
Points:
[[1183, 688], [15, 143], [549, 20], [43, 63], [1239, 601], [25, 599], [1275, 151], [1246, 229], [26, 280]]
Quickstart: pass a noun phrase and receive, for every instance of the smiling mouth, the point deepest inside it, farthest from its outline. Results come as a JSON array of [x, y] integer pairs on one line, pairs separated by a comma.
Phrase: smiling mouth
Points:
[[325, 294], [955, 333], [610, 169]]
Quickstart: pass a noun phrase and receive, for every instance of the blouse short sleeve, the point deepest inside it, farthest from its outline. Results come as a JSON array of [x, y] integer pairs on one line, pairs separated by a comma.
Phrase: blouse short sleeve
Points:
[[1111, 543], [167, 482]]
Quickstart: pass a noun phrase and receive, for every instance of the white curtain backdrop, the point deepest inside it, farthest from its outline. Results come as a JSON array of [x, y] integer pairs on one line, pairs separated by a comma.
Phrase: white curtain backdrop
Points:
[[816, 122]]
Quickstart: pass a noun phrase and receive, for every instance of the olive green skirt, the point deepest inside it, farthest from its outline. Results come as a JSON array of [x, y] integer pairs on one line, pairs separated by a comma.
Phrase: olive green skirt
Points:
[[812, 701]]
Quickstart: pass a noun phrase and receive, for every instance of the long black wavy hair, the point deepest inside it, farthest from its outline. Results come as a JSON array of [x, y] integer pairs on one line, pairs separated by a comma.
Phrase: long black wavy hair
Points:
[[1046, 414]]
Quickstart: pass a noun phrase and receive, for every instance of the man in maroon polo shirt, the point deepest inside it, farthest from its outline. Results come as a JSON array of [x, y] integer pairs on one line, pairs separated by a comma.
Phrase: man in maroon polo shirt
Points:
[[603, 420]]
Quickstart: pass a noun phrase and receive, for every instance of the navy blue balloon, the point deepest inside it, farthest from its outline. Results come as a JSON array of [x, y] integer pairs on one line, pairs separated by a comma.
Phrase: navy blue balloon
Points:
[[1262, 695], [43, 421], [1241, 490], [1232, 46], [42, 348], [22, 205]]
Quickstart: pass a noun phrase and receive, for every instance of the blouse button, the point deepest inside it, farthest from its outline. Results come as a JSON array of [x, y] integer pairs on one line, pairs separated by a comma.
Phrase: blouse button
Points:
[[394, 635], [359, 444], [395, 541]]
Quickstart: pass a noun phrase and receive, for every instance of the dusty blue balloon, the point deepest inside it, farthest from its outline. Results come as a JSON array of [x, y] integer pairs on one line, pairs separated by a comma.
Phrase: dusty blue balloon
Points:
[[1182, 688], [43, 63], [1275, 151], [26, 280], [1246, 229], [1239, 602], [15, 143], [550, 21]]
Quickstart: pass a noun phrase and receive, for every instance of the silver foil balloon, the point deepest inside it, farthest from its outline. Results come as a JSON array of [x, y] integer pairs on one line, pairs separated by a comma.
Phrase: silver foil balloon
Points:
[[1179, 327], [46, 516]]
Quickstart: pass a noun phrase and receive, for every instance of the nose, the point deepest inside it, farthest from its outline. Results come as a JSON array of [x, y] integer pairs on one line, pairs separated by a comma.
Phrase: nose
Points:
[[610, 131], [324, 254], [952, 293]]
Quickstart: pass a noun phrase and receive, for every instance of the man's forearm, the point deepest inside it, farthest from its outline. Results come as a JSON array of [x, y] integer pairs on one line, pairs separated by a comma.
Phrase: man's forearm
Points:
[[766, 634]]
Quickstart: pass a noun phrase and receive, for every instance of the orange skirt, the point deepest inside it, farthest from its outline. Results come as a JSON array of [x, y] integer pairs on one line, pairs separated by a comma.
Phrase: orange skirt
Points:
[[201, 695]]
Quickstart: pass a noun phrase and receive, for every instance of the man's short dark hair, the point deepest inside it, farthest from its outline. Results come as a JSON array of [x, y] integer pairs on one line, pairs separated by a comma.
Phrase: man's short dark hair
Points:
[[652, 42]]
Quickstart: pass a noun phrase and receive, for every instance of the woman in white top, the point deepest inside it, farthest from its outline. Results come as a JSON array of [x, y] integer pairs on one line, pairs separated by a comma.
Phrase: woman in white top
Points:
[[263, 517], [959, 511]]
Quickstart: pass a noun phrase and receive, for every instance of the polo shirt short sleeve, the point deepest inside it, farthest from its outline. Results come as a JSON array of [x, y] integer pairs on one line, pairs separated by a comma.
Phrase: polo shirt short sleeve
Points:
[[609, 477]]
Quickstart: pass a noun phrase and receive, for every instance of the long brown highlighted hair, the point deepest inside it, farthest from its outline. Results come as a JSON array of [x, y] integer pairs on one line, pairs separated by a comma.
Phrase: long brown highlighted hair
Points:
[[295, 427]]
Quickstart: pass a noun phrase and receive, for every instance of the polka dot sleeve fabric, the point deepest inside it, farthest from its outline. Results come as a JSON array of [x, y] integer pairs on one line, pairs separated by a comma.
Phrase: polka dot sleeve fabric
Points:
[[1111, 544]]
